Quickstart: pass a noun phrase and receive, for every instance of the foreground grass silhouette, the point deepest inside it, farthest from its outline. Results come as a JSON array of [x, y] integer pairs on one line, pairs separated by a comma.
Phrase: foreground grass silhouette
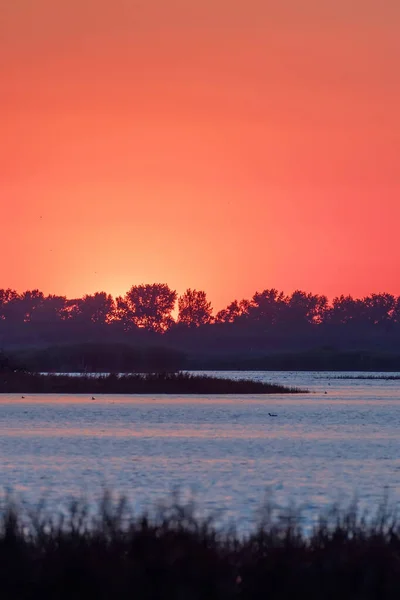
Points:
[[176, 556], [152, 383]]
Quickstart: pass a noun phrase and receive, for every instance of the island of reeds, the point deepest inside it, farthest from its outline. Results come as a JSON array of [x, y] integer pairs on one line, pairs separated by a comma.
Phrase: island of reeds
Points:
[[174, 555], [21, 382]]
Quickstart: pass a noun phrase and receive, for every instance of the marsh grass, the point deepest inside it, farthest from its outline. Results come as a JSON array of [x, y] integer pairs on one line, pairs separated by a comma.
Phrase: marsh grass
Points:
[[151, 383], [176, 555]]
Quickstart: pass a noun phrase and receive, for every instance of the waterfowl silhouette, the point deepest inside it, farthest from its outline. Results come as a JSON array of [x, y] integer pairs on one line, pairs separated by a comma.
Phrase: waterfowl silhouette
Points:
[[272, 415], [93, 398]]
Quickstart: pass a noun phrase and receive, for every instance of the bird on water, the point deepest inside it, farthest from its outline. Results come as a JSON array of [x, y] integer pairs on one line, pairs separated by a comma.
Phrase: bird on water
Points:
[[272, 415]]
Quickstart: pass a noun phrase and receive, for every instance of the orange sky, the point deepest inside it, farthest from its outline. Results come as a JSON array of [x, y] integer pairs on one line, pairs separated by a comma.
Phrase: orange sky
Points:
[[228, 145]]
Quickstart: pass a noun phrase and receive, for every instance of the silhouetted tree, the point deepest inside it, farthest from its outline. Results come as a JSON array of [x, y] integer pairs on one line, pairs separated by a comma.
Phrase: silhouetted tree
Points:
[[52, 309], [267, 307], [346, 310], [234, 311], [303, 309], [194, 308], [148, 306], [20, 308], [97, 308], [396, 311], [379, 308], [6, 296], [268, 321]]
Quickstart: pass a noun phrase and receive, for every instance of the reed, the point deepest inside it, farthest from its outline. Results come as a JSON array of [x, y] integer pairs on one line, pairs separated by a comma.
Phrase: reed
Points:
[[150, 383], [113, 554]]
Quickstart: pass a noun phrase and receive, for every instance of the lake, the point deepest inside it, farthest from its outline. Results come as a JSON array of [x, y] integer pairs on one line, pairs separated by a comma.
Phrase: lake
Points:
[[226, 451]]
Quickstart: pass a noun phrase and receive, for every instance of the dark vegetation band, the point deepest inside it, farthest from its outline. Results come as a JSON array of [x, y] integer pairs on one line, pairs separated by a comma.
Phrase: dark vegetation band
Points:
[[174, 554], [151, 329]]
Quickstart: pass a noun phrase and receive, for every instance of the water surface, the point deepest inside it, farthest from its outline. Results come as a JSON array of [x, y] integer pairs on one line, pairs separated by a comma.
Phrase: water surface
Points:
[[226, 450]]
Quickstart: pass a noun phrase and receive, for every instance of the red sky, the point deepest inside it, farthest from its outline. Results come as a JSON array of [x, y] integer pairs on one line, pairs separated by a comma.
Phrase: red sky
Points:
[[219, 144]]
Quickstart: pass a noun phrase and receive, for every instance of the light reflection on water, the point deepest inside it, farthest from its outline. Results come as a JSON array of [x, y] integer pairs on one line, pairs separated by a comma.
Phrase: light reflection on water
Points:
[[226, 450]]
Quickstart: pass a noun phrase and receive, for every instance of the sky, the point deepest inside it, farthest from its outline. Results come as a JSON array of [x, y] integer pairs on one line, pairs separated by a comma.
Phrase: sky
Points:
[[224, 145]]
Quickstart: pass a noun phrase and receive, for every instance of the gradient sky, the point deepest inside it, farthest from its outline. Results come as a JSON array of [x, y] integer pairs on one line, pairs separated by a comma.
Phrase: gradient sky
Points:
[[227, 145]]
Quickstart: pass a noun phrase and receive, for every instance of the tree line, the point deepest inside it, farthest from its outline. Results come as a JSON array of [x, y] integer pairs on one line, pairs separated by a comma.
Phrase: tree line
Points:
[[151, 307]]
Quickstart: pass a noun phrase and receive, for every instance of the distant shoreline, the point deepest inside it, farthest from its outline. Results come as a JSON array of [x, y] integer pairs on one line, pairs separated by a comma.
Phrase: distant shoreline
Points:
[[110, 357], [152, 383]]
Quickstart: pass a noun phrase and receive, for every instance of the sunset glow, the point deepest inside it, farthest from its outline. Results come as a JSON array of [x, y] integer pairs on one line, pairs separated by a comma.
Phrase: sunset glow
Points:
[[221, 145]]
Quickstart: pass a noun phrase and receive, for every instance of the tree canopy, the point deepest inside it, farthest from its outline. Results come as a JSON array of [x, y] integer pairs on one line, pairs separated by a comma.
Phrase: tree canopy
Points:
[[157, 309], [148, 306], [194, 309]]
